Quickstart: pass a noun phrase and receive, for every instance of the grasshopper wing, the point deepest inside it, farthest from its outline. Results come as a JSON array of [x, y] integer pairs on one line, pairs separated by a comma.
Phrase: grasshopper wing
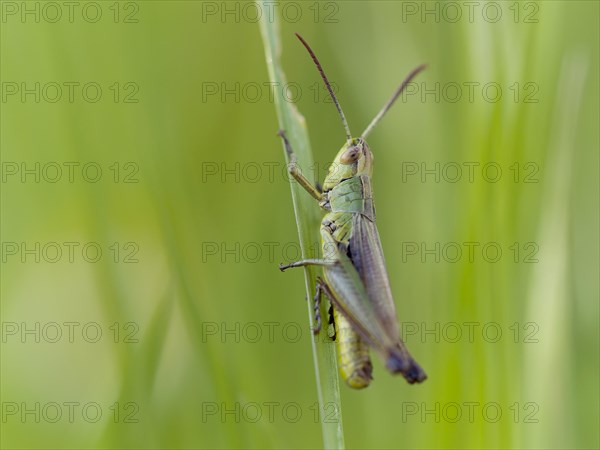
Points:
[[364, 249], [360, 279], [350, 297]]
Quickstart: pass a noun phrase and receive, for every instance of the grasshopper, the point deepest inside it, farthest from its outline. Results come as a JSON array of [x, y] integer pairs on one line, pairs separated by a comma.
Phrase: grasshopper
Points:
[[355, 278]]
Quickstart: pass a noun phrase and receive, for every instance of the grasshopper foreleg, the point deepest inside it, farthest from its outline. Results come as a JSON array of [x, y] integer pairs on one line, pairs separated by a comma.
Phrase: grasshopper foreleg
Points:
[[294, 170], [304, 263]]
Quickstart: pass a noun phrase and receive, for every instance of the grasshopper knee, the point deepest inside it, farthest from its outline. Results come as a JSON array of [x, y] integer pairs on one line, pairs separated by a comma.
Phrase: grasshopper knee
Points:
[[293, 169]]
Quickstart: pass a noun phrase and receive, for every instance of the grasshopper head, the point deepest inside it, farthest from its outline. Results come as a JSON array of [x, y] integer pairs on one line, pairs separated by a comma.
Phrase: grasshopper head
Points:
[[354, 158]]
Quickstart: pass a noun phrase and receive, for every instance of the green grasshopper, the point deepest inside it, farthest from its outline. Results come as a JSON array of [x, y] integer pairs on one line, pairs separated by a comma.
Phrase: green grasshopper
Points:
[[355, 278]]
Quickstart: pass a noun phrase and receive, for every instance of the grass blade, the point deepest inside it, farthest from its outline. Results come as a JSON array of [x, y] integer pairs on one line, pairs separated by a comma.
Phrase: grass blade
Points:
[[307, 220]]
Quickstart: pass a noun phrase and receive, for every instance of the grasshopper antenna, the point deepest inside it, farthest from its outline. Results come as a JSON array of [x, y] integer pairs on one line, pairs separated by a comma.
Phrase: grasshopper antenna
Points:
[[327, 84], [391, 101]]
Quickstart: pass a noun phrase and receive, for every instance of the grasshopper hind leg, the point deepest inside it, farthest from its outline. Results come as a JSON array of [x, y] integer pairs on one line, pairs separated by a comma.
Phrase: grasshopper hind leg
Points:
[[317, 306], [357, 372], [353, 353]]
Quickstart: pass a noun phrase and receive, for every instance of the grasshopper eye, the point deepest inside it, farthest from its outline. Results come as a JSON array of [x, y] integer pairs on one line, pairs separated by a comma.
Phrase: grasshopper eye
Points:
[[350, 156]]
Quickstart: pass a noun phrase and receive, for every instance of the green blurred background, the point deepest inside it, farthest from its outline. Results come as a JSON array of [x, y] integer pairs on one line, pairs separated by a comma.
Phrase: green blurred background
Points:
[[204, 343]]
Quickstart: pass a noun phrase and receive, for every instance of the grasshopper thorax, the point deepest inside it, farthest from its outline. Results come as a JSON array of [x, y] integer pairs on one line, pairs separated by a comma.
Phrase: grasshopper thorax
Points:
[[353, 159]]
